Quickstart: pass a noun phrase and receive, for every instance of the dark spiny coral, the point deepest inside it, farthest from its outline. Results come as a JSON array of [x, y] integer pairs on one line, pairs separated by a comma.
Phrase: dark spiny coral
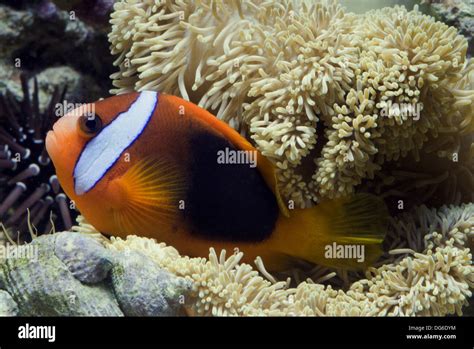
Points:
[[27, 179]]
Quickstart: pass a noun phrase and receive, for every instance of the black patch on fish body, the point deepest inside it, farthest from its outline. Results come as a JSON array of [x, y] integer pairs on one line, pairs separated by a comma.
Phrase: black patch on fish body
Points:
[[229, 202]]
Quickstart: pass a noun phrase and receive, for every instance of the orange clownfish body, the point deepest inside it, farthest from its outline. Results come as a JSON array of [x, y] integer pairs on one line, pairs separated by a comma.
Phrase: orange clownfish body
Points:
[[156, 165]]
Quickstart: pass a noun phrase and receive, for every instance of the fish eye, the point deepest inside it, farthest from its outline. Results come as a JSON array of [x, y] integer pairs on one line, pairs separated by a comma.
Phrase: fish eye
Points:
[[90, 124]]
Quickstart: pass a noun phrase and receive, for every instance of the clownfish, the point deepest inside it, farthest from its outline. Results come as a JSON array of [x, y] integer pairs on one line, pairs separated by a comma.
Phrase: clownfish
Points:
[[158, 166]]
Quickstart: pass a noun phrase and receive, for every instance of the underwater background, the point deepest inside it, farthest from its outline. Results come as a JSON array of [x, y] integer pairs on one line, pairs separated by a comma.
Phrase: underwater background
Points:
[[54, 54]]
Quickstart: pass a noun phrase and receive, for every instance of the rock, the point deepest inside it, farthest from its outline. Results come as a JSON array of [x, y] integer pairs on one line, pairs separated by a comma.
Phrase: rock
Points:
[[93, 12], [143, 289], [14, 26], [8, 307], [86, 258], [80, 88], [36, 36], [459, 14], [73, 274], [42, 285]]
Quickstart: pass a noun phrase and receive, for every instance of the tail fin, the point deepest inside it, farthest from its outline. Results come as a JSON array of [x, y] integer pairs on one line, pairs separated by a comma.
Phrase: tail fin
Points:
[[343, 233]]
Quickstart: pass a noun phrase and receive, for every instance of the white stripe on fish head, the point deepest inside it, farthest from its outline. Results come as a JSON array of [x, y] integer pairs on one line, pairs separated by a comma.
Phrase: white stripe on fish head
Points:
[[102, 151]]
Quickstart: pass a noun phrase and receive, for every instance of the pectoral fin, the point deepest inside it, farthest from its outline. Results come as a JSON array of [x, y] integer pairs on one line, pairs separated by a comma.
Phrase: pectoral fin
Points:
[[150, 191]]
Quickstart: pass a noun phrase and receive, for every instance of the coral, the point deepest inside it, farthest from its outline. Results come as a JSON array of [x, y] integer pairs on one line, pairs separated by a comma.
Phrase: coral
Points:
[[27, 179], [330, 97], [73, 274]]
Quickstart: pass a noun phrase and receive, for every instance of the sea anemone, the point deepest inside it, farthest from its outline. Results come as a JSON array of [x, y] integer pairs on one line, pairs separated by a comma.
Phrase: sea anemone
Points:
[[29, 189], [315, 88], [439, 167], [409, 61]]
